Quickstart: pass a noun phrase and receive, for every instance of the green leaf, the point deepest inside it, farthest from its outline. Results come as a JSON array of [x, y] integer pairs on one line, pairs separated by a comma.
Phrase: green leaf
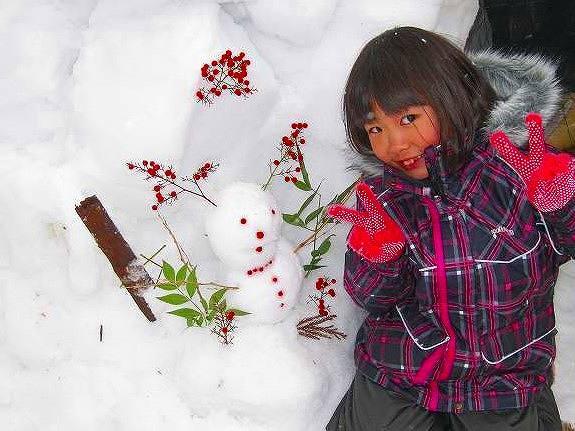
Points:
[[166, 286], [168, 271], [204, 304], [216, 297], [324, 246], [293, 219], [312, 215], [223, 305], [303, 169], [181, 275], [307, 202], [173, 298], [303, 186], [211, 316], [187, 313], [239, 312], [192, 283], [312, 267], [342, 195], [200, 320]]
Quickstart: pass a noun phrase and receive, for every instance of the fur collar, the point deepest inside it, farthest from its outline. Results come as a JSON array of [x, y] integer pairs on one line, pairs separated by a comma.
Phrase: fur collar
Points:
[[523, 84]]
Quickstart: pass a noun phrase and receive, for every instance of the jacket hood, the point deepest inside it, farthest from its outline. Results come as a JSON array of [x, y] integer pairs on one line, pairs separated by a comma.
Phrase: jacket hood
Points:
[[523, 83]]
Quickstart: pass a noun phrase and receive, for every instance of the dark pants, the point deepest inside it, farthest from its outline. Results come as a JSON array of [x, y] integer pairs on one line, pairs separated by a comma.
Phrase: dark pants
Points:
[[369, 407]]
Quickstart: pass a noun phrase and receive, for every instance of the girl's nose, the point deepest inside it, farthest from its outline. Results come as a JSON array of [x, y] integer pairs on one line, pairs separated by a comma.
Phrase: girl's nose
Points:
[[398, 142]]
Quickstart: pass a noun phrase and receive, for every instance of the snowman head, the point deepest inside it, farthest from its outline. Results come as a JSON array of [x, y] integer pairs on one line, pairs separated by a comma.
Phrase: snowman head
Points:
[[244, 228]]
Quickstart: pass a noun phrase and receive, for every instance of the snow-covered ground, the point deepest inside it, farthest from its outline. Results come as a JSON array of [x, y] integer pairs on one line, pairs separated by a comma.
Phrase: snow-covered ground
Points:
[[88, 85]]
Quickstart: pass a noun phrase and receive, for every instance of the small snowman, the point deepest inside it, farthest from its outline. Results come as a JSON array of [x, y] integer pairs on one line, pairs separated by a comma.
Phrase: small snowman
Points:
[[244, 232]]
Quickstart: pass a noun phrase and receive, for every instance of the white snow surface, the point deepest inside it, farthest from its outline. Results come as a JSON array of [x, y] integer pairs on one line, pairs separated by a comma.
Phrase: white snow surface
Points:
[[88, 85]]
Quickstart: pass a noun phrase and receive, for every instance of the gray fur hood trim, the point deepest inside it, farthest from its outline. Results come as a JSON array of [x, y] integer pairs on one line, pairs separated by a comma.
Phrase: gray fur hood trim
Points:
[[523, 83]]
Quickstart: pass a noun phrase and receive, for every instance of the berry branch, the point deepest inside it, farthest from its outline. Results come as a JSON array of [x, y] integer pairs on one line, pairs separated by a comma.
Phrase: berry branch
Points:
[[227, 74], [165, 178]]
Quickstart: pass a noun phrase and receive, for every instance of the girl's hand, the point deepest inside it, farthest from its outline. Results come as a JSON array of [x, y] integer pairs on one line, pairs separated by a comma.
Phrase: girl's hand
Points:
[[550, 178], [374, 234]]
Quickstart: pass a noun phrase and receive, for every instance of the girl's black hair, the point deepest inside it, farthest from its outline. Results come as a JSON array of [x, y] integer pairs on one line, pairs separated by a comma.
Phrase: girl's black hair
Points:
[[410, 66]]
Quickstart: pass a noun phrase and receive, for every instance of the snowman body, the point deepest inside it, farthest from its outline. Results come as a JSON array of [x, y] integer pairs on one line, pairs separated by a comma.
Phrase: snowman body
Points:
[[245, 233]]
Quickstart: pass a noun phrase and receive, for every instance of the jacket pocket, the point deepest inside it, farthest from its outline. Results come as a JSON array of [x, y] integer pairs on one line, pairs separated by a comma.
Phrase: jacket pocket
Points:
[[523, 346], [402, 340]]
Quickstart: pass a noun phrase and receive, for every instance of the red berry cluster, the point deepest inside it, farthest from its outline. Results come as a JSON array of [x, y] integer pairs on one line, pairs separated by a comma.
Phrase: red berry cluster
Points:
[[225, 326], [164, 176], [322, 286], [229, 74], [204, 170], [290, 152]]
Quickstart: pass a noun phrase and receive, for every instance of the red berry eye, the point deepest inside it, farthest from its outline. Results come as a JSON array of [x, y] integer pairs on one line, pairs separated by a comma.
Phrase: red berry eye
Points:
[[243, 220]]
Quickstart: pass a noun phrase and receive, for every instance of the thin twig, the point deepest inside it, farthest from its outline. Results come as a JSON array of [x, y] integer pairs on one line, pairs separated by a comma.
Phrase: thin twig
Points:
[[183, 256]]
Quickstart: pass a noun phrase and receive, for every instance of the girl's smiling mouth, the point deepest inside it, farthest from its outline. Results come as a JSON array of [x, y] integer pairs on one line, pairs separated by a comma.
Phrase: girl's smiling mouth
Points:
[[411, 163]]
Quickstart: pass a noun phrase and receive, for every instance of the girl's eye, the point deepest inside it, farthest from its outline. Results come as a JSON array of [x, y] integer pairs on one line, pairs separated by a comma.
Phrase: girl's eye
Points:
[[373, 128], [408, 119]]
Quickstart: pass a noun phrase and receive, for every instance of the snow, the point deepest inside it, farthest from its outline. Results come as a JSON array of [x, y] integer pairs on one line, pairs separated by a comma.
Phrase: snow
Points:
[[88, 85]]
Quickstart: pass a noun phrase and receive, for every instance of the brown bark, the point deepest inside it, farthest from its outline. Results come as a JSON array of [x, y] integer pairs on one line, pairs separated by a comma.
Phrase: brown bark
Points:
[[132, 274]]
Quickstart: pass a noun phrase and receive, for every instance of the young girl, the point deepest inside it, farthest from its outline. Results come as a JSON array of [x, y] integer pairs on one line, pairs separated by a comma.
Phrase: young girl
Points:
[[457, 238]]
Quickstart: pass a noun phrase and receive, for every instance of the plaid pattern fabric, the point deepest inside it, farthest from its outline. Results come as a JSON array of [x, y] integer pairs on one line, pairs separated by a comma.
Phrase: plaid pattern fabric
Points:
[[501, 260]]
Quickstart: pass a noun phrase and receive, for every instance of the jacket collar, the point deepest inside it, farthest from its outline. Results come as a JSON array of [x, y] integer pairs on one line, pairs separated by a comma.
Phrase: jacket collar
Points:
[[450, 189]]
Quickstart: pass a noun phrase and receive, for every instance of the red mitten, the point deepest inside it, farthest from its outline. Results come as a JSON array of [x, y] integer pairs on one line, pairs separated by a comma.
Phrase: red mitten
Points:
[[550, 178], [374, 234]]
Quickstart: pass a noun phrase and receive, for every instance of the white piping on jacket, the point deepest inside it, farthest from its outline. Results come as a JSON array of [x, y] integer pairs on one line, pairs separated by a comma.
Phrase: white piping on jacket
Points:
[[516, 257], [549, 235], [518, 350], [415, 339]]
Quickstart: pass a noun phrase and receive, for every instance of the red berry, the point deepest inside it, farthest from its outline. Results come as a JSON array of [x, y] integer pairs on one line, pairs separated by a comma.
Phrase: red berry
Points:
[[168, 173], [247, 82], [214, 63], [281, 293], [287, 179], [196, 177], [238, 92], [151, 171], [224, 86], [331, 292], [273, 211], [321, 302], [230, 315], [259, 234], [215, 71], [302, 141], [156, 188], [249, 272], [154, 207], [173, 194], [323, 313], [294, 180], [218, 93], [200, 95], [276, 162], [304, 125], [204, 174], [333, 281], [293, 125], [243, 221], [298, 169], [173, 176], [275, 279], [260, 269], [210, 78], [228, 52], [225, 330], [259, 249], [130, 166], [145, 163]]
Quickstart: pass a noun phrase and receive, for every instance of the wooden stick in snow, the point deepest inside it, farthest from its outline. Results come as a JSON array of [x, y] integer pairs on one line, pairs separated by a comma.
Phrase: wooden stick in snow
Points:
[[131, 272]]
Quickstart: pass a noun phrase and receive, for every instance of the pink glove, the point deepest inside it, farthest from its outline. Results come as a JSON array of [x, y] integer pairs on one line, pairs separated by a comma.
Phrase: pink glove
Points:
[[374, 234], [550, 178]]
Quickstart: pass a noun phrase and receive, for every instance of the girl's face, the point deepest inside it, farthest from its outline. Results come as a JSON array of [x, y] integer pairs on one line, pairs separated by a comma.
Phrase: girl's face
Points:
[[400, 139]]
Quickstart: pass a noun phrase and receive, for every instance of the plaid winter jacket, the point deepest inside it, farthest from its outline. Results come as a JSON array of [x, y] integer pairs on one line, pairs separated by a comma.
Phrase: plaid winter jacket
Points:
[[476, 279]]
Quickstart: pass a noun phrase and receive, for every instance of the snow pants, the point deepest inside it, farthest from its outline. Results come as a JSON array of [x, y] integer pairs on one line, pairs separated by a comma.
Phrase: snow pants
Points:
[[369, 407]]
